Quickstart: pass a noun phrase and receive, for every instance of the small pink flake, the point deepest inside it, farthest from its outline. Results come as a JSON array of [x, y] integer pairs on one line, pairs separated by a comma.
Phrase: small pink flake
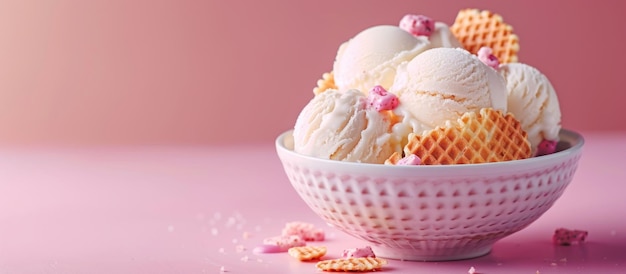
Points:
[[546, 147], [409, 160], [358, 252], [485, 54], [418, 25], [222, 269], [380, 99], [306, 231], [472, 270], [563, 236]]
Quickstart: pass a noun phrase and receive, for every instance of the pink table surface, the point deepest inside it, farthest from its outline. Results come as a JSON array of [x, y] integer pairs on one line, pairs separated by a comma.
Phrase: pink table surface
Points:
[[194, 210]]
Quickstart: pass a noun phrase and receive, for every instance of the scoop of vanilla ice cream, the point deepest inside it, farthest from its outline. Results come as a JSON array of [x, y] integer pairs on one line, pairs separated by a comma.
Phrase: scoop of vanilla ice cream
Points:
[[370, 58], [533, 101], [338, 125], [441, 84], [442, 37]]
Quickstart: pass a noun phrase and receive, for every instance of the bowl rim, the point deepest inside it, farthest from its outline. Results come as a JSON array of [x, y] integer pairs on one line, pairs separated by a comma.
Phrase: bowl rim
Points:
[[575, 140]]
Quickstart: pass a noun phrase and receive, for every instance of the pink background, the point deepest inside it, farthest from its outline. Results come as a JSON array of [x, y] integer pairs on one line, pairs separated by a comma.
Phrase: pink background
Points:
[[198, 72]]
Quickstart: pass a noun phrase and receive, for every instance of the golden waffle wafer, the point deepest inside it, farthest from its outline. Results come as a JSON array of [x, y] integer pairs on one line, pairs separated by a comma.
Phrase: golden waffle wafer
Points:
[[476, 29], [307, 253], [327, 82], [352, 264], [486, 136], [394, 158]]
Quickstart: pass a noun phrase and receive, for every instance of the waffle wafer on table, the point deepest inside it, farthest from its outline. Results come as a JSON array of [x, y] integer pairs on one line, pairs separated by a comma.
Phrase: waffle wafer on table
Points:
[[476, 29], [307, 253], [477, 137], [352, 264]]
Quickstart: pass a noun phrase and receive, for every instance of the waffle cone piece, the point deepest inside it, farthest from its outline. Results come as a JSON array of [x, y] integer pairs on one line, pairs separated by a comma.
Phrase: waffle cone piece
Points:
[[476, 29], [327, 82], [307, 253], [363, 264], [477, 137]]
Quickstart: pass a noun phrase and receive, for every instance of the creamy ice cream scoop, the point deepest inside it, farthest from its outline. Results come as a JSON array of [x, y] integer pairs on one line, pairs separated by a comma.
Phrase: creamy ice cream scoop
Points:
[[371, 57], [441, 84], [341, 125], [533, 101]]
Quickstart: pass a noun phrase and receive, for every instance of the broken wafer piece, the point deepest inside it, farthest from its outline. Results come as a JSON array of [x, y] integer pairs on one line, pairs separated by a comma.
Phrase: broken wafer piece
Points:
[[326, 82], [352, 264], [477, 137], [475, 29], [307, 253]]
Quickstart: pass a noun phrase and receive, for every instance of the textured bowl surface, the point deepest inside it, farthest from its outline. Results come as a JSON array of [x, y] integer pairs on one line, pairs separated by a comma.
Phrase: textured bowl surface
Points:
[[431, 213]]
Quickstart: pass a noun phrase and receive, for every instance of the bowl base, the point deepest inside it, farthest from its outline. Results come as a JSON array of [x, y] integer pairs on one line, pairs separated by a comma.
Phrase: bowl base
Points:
[[429, 255]]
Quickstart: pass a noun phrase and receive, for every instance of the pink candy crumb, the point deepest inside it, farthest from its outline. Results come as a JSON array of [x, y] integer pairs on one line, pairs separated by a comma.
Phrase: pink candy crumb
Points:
[[563, 236], [306, 231], [358, 252], [546, 147], [485, 54], [380, 99], [418, 25], [410, 159]]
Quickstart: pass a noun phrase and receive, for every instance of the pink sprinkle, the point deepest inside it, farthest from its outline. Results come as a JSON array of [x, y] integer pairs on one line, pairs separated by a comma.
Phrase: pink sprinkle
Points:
[[380, 99], [418, 25], [472, 270], [358, 253], [411, 159], [563, 236], [546, 147], [485, 54]]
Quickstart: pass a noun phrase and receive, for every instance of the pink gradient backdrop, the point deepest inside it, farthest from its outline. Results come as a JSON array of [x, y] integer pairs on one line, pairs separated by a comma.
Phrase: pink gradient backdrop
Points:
[[196, 72]]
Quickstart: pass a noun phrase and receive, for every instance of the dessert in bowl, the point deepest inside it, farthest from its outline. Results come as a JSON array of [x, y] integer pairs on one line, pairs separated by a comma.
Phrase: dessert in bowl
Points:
[[431, 212], [422, 143]]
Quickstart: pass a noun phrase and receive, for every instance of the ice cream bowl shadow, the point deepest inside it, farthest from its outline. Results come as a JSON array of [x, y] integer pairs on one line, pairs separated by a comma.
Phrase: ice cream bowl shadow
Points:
[[431, 213]]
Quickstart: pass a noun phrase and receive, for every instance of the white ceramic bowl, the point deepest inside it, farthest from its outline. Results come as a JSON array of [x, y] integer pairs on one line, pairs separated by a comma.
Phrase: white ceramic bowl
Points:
[[431, 213]]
